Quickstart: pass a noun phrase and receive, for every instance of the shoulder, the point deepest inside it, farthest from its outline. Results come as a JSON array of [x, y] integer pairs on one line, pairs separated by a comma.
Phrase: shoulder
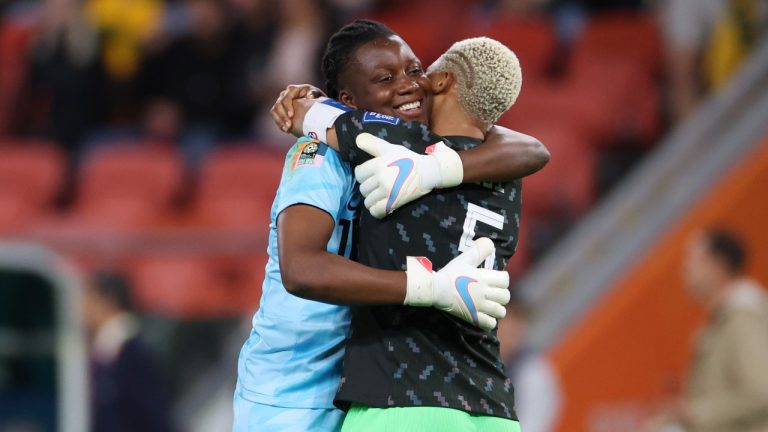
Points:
[[308, 152]]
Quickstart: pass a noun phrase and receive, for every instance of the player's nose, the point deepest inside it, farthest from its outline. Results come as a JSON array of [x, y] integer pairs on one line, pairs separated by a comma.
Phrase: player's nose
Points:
[[406, 85]]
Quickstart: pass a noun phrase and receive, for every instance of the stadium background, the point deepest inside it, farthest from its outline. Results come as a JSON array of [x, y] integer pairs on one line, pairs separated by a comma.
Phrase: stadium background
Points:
[[134, 136]]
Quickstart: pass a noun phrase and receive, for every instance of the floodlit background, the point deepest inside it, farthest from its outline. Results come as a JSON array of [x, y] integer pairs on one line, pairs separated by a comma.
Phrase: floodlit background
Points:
[[135, 142]]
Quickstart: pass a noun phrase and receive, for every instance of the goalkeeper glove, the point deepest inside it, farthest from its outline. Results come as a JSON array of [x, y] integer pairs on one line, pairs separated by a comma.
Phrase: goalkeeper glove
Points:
[[397, 175], [460, 288]]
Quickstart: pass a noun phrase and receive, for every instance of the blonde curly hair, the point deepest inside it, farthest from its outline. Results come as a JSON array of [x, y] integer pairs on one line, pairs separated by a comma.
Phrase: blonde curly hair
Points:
[[488, 76]]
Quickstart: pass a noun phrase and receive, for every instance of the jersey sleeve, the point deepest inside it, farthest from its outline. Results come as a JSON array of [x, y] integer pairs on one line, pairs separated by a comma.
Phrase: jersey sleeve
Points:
[[314, 175], [415, 136]]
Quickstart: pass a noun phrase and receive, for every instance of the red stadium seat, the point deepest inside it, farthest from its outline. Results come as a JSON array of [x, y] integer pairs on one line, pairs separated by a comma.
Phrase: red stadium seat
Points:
[[198, 287], [427, 27], [14, 44], [237, 187], [532, 39], [129, 185], [30, 176], [177, 286], [622, 37], [567, 183]]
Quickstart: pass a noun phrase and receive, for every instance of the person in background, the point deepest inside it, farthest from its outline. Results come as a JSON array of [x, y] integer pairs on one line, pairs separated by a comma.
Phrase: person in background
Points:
[[537, 389], [127, 391], [705, 42], [728, 383]]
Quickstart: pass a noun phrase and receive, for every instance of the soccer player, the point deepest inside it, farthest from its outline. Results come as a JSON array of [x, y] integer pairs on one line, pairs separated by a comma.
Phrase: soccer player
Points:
[[289, 367], [408, 369]]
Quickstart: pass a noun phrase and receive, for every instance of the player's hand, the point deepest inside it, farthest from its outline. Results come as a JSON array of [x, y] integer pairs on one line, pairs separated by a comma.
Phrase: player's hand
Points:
[[282, 110], [460, 288], [397, 175]]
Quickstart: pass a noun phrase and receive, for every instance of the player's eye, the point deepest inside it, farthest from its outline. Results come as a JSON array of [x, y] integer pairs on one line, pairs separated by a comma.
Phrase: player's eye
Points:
[[385, 78], [416, 71]]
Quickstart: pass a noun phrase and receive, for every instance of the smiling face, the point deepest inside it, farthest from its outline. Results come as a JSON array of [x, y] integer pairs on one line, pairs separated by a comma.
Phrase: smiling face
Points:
[[385, 76]]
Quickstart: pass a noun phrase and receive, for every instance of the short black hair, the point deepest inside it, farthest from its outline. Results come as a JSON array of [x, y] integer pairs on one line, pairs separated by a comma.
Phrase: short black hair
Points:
[[114, 287], [727, 247], [342, 44]]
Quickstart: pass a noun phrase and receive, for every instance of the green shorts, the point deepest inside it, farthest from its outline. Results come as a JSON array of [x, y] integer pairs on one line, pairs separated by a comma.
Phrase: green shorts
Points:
[[422, 419]]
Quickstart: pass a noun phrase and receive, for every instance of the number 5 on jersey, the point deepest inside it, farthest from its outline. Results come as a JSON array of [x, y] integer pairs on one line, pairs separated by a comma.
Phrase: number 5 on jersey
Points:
[[474, 215]]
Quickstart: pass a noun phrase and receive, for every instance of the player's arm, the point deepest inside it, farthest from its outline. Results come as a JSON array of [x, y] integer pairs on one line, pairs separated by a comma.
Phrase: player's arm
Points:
[[308, 270], [505, 154]]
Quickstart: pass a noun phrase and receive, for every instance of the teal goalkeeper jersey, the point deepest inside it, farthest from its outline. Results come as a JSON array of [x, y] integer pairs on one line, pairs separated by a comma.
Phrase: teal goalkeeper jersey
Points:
[[293, 355]]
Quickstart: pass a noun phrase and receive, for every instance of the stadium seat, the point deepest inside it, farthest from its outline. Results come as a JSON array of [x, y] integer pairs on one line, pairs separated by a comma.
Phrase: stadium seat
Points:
[[14, 44], [177, 286], [236, 188], [128, 185], [610, 36], [532, 40], [31, 173], [428, 38], [197, 287], [567, 184]]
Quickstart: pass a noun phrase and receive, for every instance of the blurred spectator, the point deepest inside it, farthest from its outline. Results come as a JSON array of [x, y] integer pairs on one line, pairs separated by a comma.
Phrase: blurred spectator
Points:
[[126, 29], [728, 387], [202, 78], [537, 391], [706, 40], [302, 30], [127, 386], [64, 69]]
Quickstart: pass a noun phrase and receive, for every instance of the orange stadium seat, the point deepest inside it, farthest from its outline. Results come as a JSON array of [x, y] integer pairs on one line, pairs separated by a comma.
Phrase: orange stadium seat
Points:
[[128, 185], [236, 188], [31, 174]]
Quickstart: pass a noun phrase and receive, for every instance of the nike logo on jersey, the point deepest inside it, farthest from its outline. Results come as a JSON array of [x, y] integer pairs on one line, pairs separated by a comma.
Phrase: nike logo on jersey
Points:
[[462, 286], [405, 167]]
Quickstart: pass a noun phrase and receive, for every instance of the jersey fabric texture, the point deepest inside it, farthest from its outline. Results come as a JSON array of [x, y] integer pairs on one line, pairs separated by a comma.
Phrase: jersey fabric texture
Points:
[[293, 355], [399, 356]]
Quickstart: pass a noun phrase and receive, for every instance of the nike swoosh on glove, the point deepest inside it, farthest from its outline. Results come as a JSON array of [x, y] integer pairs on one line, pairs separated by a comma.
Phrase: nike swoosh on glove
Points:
[[473, 294], [396, 175]]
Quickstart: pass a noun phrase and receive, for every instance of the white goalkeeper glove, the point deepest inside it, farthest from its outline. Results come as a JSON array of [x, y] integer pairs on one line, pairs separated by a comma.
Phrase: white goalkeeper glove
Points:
[[460, 288], [397, 175]]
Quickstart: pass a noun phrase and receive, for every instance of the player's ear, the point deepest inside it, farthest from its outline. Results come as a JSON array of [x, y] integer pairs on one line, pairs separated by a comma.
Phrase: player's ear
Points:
[[347, 99], [441, 81]]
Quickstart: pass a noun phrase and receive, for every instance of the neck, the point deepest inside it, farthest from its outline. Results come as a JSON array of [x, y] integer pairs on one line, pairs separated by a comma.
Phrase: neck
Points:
[[720, 295], [448, 119]]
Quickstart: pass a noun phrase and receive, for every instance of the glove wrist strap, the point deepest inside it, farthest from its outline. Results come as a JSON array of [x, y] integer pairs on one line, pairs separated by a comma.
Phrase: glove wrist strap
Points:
[[449, 162], [419, 286]]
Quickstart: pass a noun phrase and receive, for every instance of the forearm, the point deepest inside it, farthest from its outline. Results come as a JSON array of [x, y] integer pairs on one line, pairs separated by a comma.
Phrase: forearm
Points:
[[310, 271], [505, 155], [330, 278]]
